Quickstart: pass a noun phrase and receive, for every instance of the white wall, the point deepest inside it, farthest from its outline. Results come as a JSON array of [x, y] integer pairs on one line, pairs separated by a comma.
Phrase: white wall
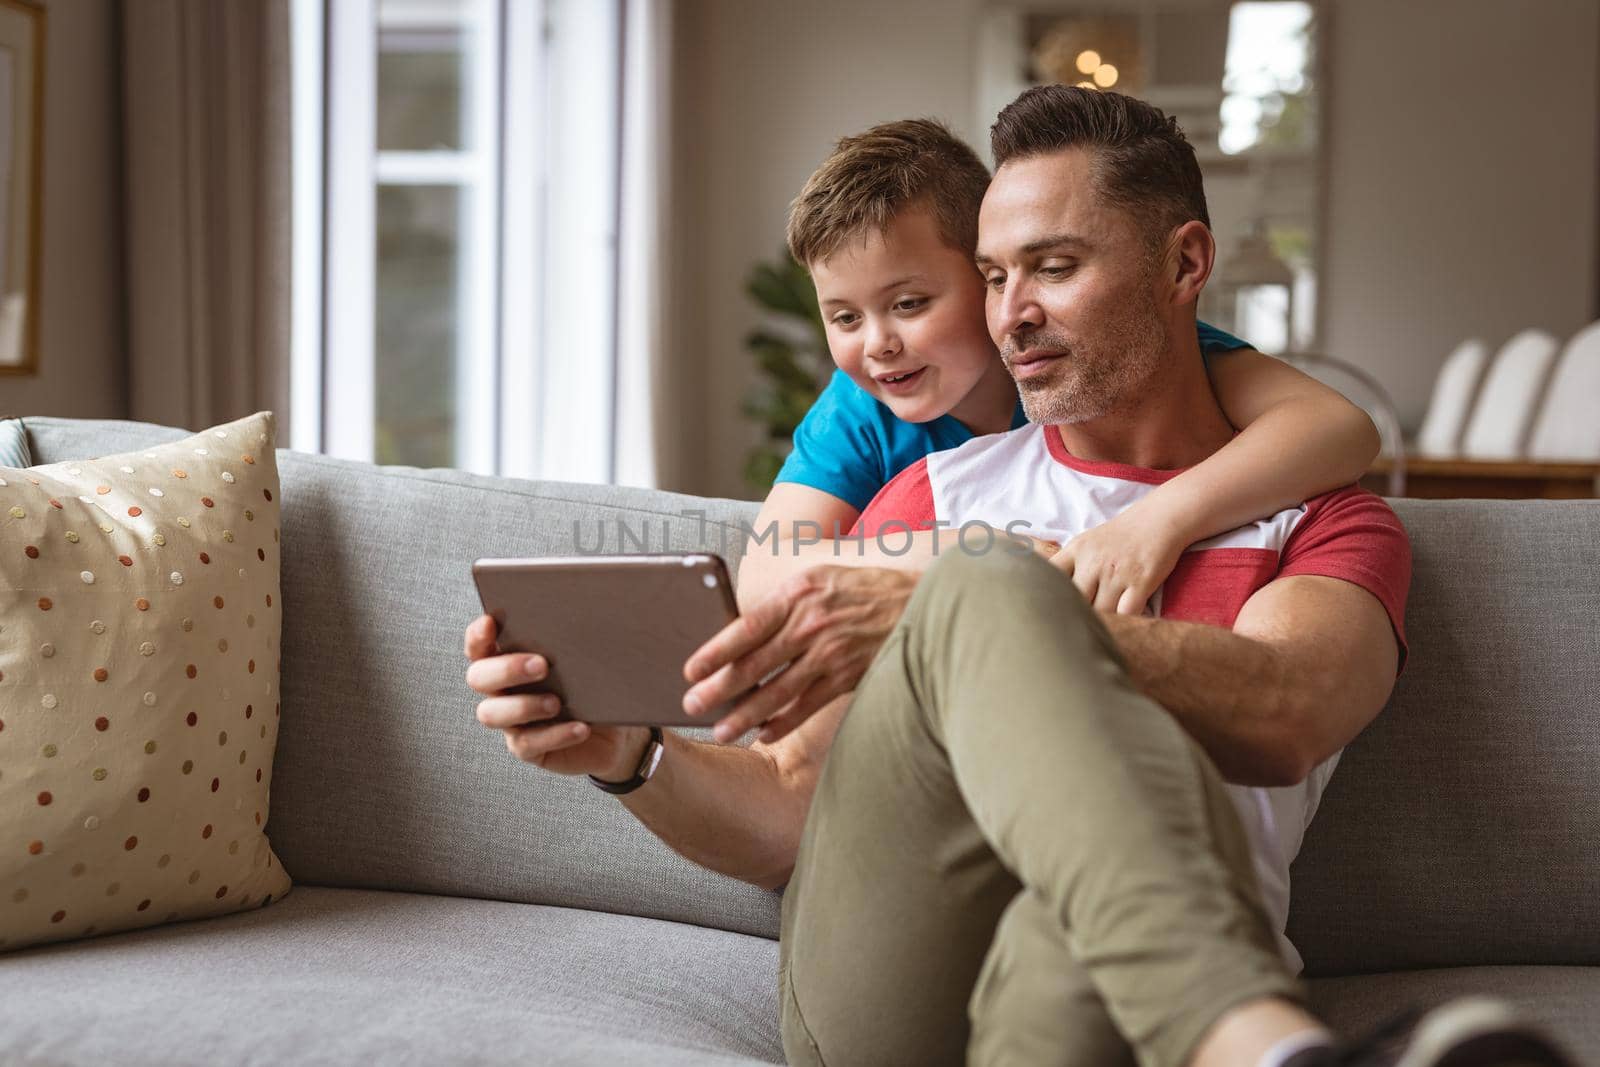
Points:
[[82, 365], [1461, 167], [1461, 180], [765, 88]]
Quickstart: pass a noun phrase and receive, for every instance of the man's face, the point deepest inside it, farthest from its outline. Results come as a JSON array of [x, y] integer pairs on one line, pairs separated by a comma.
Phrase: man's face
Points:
[[1072, 290]]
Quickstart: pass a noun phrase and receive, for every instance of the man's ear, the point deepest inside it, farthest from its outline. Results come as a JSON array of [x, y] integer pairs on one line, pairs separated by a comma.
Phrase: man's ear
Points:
[[1190, 255]]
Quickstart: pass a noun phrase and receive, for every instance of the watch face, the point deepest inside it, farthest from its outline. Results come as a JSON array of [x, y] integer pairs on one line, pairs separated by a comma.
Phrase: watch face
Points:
[[652, 760]]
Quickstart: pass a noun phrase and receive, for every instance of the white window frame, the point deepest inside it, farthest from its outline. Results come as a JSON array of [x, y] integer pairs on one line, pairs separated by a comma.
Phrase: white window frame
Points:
[[522, 309], [308, 39], [580, 206], [537, 349]]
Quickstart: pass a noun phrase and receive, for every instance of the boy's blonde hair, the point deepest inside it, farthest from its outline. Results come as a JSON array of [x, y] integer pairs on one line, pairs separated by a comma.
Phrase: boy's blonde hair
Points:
[[872, 177]]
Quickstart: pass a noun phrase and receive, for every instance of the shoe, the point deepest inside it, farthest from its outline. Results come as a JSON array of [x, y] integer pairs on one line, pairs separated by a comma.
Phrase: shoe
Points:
[[1468, 1032]]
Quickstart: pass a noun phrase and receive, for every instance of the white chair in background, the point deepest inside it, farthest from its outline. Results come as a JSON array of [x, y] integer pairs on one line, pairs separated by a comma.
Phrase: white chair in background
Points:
[[1369, 395], [1510, 397], [1569, 426], [1453, 393]]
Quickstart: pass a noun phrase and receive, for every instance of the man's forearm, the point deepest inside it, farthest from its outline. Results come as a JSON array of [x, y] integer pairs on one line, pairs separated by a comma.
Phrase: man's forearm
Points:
[[1233, 694], [729, 809]]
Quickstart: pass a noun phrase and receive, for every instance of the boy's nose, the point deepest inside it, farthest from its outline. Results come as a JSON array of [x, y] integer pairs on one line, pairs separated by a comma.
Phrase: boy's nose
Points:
[[881, 343]]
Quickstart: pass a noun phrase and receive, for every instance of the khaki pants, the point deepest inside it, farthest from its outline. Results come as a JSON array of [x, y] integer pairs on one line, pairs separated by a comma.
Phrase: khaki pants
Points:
[[1012, 854]]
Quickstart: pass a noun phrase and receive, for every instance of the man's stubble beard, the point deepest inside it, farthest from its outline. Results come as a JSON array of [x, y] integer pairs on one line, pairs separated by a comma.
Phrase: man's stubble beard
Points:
[[1100, 375]]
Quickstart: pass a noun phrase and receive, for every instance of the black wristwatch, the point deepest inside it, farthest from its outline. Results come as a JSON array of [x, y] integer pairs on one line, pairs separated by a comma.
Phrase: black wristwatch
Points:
[[647, 767]]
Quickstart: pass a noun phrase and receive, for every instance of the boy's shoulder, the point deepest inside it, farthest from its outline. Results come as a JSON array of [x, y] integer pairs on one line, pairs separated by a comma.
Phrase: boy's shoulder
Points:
[[848, 444], [844, 398], [844, 407]]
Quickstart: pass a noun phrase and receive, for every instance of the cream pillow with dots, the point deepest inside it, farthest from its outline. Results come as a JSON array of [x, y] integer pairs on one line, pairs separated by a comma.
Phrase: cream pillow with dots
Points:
[[139, 630]]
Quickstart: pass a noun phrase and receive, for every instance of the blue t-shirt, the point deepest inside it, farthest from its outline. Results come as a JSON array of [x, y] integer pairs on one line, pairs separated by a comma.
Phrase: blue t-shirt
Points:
[[850, 444]]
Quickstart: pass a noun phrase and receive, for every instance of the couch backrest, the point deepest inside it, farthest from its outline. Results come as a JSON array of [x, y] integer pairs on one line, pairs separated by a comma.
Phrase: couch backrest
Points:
[[1462, 827], [383, 777]]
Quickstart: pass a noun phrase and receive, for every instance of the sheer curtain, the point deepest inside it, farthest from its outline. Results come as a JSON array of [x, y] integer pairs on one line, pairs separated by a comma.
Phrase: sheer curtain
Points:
[[643, 394], [208, 220], [206, 157], [585, 322]]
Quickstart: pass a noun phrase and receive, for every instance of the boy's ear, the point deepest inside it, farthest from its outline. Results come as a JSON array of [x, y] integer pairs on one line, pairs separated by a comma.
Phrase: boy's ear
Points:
[[1190, 256]]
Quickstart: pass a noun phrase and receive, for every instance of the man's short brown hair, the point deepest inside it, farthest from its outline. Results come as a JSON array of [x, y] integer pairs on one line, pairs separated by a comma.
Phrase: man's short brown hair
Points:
[[872, 177], [1143, 162]]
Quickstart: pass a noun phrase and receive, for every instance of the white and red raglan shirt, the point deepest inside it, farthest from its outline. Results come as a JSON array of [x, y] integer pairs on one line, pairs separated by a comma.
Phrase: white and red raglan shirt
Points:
[[1027, 476]]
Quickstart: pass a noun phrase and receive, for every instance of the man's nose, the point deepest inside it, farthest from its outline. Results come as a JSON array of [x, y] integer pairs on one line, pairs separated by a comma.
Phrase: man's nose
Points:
[[1014, 312]]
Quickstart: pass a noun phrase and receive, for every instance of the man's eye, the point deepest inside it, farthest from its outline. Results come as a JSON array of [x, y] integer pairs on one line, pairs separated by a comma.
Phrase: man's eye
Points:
[[996, 282], [1055, 271]]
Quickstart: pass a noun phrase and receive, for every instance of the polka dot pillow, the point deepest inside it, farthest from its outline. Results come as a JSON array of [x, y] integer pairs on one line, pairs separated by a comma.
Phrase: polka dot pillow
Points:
[[139, 628]]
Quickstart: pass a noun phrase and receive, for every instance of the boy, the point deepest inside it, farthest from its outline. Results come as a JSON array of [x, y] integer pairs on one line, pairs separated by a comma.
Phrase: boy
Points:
[[887, 227]]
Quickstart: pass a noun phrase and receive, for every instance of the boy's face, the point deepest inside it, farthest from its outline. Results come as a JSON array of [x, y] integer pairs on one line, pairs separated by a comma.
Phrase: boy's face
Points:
[[904, 315]]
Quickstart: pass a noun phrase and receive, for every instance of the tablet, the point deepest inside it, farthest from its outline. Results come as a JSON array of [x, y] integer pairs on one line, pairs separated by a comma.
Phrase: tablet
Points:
[[616, 630]]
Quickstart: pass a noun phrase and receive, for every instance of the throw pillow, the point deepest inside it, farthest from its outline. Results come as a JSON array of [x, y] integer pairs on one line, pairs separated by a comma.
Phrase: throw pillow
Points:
[[140, 617]]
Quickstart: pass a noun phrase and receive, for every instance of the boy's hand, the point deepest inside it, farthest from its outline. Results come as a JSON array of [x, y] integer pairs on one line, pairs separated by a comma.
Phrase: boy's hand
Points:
[[1118, 566], [610, 753]]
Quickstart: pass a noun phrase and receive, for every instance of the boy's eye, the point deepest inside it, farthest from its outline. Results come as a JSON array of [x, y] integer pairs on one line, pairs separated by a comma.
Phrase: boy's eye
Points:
[[843, 318], [910, 303]]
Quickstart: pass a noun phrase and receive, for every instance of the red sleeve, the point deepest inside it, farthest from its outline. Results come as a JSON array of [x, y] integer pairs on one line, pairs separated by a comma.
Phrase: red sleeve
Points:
[[905, 503], [1353, 535]]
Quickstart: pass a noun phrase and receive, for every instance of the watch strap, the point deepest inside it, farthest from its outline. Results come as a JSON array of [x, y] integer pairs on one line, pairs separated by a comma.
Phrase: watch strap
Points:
[[641, 774]]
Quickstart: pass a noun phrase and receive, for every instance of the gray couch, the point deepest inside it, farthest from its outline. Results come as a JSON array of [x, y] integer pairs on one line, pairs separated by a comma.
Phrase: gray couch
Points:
[[452, 905]]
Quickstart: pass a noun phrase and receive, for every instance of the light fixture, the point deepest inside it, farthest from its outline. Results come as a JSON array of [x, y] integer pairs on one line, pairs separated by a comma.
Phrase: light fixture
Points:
[[1254, 289], [1105, 75], [1088, 61]]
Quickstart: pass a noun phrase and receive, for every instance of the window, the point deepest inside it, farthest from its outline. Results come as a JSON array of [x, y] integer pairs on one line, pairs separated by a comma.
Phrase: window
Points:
[[457, 203]]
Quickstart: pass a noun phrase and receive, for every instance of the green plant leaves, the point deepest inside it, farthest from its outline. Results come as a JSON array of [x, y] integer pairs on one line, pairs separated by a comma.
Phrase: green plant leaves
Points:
[[793, 362]]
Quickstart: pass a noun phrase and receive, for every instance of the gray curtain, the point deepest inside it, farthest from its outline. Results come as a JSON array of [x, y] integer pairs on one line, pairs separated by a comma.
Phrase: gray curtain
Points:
[[206, 151]]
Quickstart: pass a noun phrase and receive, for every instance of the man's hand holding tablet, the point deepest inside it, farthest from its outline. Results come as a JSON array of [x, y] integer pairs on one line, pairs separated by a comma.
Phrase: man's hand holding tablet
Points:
[[622, 631], [579, 656], [610, 753], [819, 631]]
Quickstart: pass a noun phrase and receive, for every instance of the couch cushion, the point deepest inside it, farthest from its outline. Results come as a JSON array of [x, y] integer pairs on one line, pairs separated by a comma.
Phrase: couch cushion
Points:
[[384, 778], [14, 450], [138, 685], [1463, 826], [52, 439], [330, 976], [1561, 999]]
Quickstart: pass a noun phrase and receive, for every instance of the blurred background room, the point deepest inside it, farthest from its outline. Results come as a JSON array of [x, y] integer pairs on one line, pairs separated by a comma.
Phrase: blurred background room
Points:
[[544, 238]]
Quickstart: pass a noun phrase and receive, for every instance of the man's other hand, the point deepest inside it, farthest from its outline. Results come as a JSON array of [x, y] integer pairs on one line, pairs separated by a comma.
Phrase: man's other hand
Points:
[[826, 624], [610, 753]]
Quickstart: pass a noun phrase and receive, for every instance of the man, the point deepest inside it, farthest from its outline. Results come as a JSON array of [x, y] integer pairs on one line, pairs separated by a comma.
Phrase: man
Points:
[[1023, 818]]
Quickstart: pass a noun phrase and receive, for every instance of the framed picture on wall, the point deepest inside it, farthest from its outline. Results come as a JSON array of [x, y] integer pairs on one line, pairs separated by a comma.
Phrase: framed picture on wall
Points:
[[21, 148]]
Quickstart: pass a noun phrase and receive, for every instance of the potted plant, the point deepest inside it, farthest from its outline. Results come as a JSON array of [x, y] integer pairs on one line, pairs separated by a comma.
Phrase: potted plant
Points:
[[791, 354]]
